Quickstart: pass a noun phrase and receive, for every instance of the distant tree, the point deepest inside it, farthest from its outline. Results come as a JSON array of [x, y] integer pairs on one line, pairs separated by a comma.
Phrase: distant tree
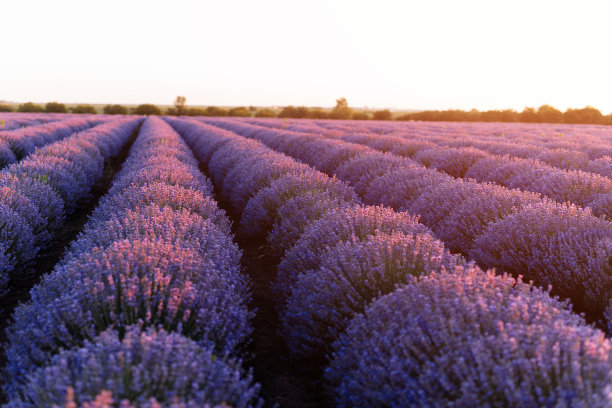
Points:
[[252, 108], [215, 111], [147, 109], [585, 115], [240, 111], [528, 115], [6, 108], [317, 113], [55, 107], [265, 113], [115, 110], [179, 105], [195, 112], [288, 112], [382, 115], [84, 109], [341, 110], [361, 116], [30, 107], [301, 112], [548, 114]]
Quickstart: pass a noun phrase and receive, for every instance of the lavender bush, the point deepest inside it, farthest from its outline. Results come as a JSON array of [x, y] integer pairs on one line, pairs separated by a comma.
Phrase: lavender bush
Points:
[[351, 275], [147, 282], [470, 338], [553, 244], [140, 367], [335, 226], [261, 211]]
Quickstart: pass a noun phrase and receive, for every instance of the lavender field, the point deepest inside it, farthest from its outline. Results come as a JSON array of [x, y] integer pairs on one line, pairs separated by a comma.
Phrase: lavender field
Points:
[[245, 262]]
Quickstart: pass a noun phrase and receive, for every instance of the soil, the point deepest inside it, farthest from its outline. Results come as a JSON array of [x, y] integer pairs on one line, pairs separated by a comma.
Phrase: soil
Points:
[[285, 381]]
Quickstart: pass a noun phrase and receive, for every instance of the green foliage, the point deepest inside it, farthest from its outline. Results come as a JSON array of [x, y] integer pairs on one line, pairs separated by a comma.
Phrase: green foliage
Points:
[[543, 114], [361, 116], [179, 105], [287, 112], [240, 111], [382, 115], [55, 107], [115, 110], [317, 113], [6, 108], [84, 109], [215, 111], [341, 110], [548, 114], [587, 114], [265, 113], [147, 109], [195, 112], [30, 107]]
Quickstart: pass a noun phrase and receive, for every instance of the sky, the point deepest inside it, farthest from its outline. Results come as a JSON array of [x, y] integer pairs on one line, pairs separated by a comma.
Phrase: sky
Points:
[[427, 54]]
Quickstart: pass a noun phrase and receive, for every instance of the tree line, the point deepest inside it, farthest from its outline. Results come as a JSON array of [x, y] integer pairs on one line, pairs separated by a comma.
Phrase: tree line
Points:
[[543, 114]]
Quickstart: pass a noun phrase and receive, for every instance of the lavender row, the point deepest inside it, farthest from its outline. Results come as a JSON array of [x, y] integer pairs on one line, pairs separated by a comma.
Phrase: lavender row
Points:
[[351, 255], [10, 121], [576, 186], [553, 244], [150, 289], [37, 193], [17, 144], [564, 146], [313, 220], [591, 188]]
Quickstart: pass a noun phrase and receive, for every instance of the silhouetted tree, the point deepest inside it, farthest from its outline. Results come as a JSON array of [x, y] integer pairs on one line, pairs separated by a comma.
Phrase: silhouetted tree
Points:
[[84, 109], [341, 110], [288, 112], [382, 115], [55, 107], [115, 110], [179, 105], [317, 113], [240, 111], [361, 116], [30, 107], [265, 113], [215, 111], [548, 114], [528, 115], [587, 114], [147, 109], [195, 112]]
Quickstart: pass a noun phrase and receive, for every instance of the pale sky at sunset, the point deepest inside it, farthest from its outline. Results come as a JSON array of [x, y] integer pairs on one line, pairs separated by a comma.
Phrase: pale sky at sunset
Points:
[[381, 54]]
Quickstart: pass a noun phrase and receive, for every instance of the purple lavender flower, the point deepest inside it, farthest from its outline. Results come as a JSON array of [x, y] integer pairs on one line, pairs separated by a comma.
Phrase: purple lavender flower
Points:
[[163, 195], [338, 225], [6, 154], [350, 276], [138, 366], [135, 281], [552, 244], [17, 240], [47, 201], [360, 170], [398, 188], [261, 212], [470, 338], [452, 161]]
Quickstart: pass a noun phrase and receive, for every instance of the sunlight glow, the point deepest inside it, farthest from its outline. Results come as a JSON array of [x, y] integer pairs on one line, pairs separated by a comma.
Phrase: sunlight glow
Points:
[[388, 54]]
